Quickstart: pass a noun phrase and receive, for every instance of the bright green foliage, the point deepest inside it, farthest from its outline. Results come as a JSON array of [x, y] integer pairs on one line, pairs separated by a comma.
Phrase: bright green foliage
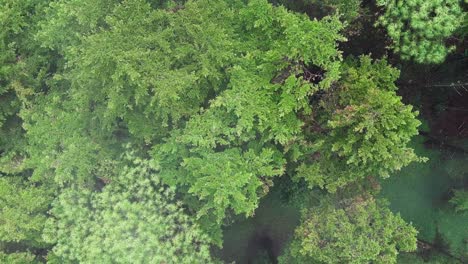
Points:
[[64, 145], [219, 96], [23, 213], [357, 230], [23, 210], [460, 200], [18, 258], [215, 87], [133, 219], [23, 69], [228, 151], [364, 128], [419, 28], [66, 21]]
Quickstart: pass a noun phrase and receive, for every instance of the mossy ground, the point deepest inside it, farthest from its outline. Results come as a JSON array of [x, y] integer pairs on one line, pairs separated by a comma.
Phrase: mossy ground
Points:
[[420, 193]]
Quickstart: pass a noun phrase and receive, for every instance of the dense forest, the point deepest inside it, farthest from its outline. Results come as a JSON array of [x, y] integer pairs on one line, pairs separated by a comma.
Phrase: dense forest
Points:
[[233, 131]]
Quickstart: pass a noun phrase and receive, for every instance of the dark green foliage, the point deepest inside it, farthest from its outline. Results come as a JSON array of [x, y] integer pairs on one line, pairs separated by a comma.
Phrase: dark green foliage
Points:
[[460, 200], [23, 70], [348, 9], [421, 193], [433, 258], [419, 28]]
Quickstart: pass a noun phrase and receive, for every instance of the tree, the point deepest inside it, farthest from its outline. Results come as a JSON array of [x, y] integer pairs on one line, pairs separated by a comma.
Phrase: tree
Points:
[[353, 230], [360, 128], [133, 219], [23, 214], [24, 67], [349, 10], [23, 72], [419, 28], [460, 200], [18, 258], [214, 88], [216, 98], [227, 153]]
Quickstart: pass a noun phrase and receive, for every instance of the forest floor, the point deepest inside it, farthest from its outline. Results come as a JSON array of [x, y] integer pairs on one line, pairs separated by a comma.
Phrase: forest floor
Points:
[[261, 238], [420, 193]]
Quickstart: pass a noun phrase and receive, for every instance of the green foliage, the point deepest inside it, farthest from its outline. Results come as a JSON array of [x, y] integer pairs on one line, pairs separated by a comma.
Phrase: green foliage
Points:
[[219, 97], [348, 10], [200, 76], [65, 22], [217, 83], [65, 145], [419, 28], [133, 219], [235, 143], [362, 128], [357, 230], [18, 258], [23, 70], [433, 258], [23, 212], [460, 200]]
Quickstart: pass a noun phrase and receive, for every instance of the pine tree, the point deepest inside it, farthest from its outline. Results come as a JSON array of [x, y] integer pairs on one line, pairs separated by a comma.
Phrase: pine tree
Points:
[[419, 28]]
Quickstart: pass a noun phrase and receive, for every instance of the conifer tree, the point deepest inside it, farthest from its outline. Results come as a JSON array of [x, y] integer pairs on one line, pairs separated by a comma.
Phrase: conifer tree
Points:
[[420, 28], [354, 230], [133, 219]]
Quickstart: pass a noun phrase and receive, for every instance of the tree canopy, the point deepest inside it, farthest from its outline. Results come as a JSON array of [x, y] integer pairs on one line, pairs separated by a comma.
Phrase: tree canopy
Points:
[[353, 230], [133, 219], [134, 131], [360, 127], [419, 28]]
